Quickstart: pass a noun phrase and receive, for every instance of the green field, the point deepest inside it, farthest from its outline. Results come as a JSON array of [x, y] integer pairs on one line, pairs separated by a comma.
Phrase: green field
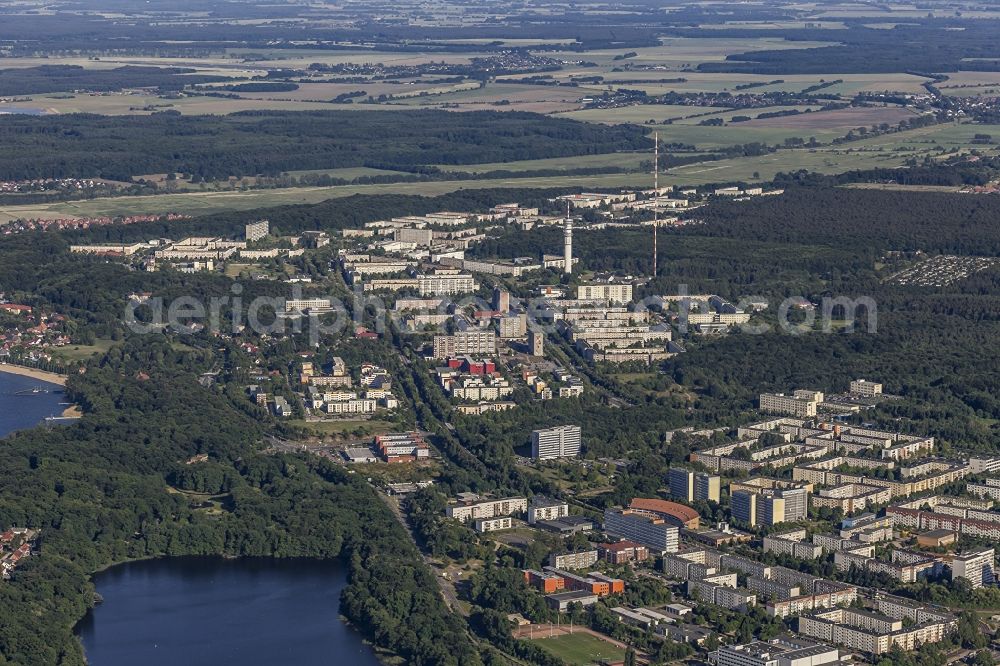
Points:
[[204, 203], [728, 114], [73, 353], [361, 428], [581, 649], [622, 160], [640, 114]]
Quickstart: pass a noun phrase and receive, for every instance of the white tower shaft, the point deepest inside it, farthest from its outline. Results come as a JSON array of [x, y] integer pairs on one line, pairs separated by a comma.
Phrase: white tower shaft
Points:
[[568, 243]]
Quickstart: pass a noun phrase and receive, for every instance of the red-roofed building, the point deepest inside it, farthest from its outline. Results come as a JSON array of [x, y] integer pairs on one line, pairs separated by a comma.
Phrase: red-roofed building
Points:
[[672, 512], [472, 366], [13, 308], [623, 552]]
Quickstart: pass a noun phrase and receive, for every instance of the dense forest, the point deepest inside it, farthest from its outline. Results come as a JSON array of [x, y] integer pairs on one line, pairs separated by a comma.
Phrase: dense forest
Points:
[[919, 47], [98, 491], [270, 142], [68, 78], [866, 221]]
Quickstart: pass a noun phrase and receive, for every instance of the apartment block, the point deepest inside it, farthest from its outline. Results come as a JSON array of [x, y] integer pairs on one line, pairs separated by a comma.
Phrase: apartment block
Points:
[[801, 404], [865, 388], [683, 569], [255, 231], [465, 343], [623, 552], [544, 508], [873, 631], [786, 651], [512, 326], [579, 560], [654, 533], [777, 506], [838, 595], [445, 284], [851, 497], [471, 506], [903, 566], [536, 342], [612, 293], [688, 486], [771, 589], [493, 524], [559, 442], [976, 567], [793, 545], [721, 591], [832, 543]]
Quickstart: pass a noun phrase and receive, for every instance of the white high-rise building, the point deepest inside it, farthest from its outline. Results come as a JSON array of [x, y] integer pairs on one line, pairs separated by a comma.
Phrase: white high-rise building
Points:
[[257, 230], [654, 533], [865, 388], [977, 567], [559, 442], [616, 292]]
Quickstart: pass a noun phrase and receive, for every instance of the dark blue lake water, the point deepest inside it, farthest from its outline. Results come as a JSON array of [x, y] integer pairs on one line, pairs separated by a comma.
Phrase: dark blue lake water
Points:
[[20, 408], [210, 611]]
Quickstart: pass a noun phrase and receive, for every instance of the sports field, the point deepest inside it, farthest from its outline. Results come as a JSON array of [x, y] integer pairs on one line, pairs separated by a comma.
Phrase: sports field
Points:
[[580, 649]]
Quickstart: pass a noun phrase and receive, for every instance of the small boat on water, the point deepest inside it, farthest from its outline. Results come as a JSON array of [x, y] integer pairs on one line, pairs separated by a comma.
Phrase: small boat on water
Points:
[[37, 390]]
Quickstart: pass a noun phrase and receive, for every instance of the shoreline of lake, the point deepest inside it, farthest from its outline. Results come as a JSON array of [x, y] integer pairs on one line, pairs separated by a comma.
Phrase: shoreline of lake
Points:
[[34, 373]]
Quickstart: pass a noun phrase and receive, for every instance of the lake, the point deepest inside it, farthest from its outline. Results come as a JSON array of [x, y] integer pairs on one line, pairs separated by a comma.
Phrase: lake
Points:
[[200, 611], [24, 411]]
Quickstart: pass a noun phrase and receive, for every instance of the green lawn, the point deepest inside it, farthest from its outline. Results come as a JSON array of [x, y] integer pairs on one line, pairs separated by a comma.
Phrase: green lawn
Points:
[[82, 352], [340, 427], [625, 160], [580, 649]]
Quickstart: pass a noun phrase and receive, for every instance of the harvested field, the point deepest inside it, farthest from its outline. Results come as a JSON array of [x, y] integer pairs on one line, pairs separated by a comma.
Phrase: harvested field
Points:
[[852, 117]]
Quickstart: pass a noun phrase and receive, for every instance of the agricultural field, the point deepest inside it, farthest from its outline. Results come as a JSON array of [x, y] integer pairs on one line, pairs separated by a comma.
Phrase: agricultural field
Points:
[[321, 92], [971, 84], [837, 119], [821, 125], [676, 53], [144, 104], [708, 82], [641, 114], [503, 97]]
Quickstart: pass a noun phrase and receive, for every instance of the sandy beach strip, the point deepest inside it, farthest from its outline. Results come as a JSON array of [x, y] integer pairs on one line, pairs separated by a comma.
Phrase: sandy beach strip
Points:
[[40, 375]]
